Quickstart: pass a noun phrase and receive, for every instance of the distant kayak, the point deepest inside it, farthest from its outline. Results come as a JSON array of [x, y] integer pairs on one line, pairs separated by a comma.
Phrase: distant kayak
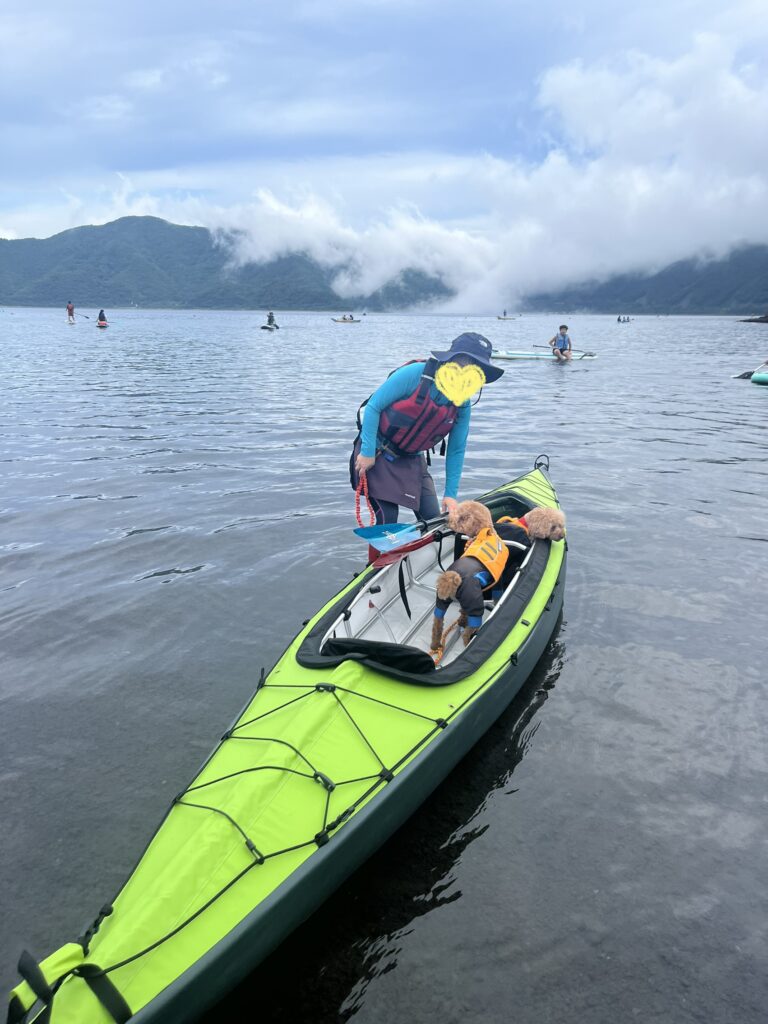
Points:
[[270, 327], [506, 318], [100, 324], [546, 357], [341, 320]]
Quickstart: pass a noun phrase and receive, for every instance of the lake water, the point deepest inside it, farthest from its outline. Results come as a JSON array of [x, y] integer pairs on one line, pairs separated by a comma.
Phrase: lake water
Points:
[[175, 502]]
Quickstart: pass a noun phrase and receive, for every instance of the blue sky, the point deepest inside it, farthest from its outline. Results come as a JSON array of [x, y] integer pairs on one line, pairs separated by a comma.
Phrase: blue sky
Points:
[[504, 145]]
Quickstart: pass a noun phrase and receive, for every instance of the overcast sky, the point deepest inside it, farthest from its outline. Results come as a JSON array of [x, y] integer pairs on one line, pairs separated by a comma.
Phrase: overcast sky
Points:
[[506, 145]]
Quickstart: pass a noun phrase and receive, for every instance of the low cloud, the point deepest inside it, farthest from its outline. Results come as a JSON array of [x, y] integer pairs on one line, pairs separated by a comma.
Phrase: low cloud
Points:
[[649, 160], [659, 160]]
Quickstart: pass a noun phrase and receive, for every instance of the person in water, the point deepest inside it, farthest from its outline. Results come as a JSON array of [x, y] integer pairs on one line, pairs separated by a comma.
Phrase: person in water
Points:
[[407, 416], [561, 344], [70, 312]]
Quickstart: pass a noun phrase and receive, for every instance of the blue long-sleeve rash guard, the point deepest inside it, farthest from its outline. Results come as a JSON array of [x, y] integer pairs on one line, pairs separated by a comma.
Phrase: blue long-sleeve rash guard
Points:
[[402, 383]]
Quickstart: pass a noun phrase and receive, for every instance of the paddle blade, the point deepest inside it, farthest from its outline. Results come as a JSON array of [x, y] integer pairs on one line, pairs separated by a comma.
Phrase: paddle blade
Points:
[[388, 536]]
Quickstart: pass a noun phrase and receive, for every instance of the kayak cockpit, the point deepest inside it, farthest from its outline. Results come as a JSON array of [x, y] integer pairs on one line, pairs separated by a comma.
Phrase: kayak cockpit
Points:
[[386, 621], [397, 608]]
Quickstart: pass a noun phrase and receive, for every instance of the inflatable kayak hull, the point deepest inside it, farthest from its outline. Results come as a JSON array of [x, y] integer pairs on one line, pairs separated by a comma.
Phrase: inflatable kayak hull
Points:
[[339, 321], [760, 378], [337, 748], [266, 927]]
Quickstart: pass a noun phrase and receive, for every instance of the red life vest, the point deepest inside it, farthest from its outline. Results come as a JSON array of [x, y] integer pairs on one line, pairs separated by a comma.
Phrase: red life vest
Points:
[[521, 522], [416, 423]]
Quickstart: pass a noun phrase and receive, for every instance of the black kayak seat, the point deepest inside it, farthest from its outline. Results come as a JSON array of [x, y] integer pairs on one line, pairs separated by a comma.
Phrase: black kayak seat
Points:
[[396, 656]]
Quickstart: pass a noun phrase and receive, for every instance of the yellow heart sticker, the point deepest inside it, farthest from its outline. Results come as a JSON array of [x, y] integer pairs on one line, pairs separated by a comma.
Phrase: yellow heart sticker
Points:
[[458, 383]]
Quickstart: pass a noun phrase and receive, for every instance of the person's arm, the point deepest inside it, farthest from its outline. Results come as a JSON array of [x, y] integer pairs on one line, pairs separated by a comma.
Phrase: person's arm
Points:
[[552, 341], [400, 384], [454, 455]]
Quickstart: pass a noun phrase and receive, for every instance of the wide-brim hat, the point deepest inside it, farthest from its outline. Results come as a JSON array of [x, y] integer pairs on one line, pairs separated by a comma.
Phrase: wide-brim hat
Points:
[[476, 346]]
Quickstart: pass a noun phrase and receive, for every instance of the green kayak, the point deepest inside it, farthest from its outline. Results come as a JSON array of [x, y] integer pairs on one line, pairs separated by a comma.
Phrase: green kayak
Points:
[[760, 375], [343, 739]]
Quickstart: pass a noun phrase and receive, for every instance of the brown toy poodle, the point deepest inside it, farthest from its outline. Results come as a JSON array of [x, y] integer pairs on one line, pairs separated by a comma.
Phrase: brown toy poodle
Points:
[[484, 561]]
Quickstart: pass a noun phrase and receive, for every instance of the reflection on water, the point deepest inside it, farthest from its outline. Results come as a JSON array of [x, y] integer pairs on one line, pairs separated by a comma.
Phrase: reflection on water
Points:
[[175, 502]]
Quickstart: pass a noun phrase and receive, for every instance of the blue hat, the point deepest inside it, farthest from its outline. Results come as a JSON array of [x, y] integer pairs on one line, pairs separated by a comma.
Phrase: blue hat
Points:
[[478, 347]]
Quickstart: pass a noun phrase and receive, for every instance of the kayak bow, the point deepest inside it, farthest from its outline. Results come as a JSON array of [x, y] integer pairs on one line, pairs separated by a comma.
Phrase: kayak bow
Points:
[[343, 739]]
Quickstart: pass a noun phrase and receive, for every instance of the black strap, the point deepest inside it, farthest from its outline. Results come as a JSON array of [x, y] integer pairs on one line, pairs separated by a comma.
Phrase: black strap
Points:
[[359, 411], [439, 541], [107, 994], [98, 982], [427, 377], [29, 969], [401, 584], [16, 1012]]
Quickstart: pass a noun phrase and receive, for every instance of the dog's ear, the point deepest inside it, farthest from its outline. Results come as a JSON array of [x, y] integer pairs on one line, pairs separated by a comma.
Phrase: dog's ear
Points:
[[447, 585]]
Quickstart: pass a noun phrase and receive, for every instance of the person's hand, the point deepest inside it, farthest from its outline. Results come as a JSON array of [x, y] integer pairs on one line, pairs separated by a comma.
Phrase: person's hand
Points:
[[363, 463], [449, 505]]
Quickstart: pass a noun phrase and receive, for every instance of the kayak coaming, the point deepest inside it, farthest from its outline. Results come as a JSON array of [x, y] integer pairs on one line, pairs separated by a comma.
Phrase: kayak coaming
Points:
[[210, 953]]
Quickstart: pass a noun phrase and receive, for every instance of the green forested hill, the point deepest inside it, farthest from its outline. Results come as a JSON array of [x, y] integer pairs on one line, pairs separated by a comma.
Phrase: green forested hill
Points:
[[148, 262], [737, 284]]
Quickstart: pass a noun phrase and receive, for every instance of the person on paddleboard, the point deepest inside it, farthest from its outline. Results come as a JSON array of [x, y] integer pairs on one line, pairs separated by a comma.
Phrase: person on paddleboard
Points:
[[561, 344], [271, 319], [421, 405], [70, 312], [102, 318]]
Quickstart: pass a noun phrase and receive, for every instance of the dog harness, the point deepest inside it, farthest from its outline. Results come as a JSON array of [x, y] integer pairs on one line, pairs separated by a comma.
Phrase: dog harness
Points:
[[490, 551]]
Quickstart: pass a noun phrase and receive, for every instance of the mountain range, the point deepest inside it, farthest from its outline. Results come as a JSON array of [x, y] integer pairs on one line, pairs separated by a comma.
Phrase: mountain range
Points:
[[148, 262], [145, 261], [735, 284]]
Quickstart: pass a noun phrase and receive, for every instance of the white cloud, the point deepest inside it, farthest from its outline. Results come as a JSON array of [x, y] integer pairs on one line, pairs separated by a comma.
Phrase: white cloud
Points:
[[104, 108], [147, 80], [702, 109], [656, 159]]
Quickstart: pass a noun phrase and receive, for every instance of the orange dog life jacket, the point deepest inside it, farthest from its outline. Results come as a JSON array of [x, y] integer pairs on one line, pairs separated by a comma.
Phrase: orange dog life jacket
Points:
[[490, 551]]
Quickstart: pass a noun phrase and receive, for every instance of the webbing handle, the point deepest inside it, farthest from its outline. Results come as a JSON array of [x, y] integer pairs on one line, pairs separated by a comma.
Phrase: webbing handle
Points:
[[37, 987]]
